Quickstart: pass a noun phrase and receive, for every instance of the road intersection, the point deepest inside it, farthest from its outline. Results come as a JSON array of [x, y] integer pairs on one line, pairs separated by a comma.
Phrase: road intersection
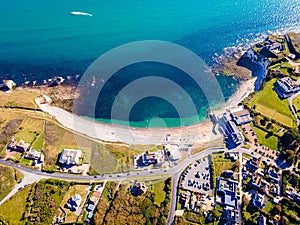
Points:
[[32, 175]]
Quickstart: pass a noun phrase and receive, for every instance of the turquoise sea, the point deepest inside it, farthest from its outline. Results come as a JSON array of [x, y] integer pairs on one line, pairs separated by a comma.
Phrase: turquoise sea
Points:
[[40, 39]]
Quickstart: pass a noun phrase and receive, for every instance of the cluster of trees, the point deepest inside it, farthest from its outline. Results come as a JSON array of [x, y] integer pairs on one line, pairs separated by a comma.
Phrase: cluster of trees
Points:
[[45, 201], [121, 207], [289, 144]]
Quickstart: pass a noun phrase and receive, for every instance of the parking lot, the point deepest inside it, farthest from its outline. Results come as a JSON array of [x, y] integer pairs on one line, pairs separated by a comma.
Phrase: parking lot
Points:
[[197, 177], [263, 150]]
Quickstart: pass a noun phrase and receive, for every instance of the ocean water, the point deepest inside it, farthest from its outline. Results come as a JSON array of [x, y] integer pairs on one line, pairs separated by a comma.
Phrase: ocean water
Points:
[[40, 39]]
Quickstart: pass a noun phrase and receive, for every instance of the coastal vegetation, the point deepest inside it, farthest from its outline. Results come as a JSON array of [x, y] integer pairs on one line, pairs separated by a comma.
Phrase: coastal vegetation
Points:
[[119, 206], [9, 177], [12, 211]]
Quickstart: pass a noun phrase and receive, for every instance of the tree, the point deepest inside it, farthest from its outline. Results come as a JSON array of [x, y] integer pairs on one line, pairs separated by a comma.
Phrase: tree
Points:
[[216, 213], [284, 220]]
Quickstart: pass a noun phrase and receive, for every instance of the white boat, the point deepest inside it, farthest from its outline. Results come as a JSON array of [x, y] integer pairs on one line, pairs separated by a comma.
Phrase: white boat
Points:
[[80, 13]]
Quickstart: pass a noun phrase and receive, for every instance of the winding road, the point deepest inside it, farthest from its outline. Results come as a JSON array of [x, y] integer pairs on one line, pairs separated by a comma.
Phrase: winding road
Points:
[[32, 175]]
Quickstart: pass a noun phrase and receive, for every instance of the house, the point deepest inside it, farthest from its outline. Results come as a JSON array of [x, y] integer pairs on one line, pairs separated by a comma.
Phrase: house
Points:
[[149, 158], [90, 207], [262, 220], [275, 47], [273, 175], [70, 157], [185, 199], [232, 155], [95, 197], [287, 86], [230, 215], [74, 202], [258, 200], [33, 154], [139, 188], [240, 116], [20, 146]]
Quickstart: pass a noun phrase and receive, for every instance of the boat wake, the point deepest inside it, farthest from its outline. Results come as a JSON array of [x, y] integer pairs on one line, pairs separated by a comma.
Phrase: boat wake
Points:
[[75, 13]]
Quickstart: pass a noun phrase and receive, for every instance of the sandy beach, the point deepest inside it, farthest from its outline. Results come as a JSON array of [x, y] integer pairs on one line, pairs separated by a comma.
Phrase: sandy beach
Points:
[[199, 133]]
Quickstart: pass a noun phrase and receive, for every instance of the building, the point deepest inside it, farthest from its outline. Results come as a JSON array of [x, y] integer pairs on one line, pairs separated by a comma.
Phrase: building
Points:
[[234, 133], [240, 116], [232, 155], [95, 197], [33, 154], [139, 188], [226, 192], [70, 157], [273, 175], [258, 200], [230, 215], [74, 202], [20, 146], [90, 207], [149, 158], [287, 86], [262, 220]]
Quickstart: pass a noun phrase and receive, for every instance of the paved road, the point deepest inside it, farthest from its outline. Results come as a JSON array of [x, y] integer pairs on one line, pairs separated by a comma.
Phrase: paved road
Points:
[[175, 172], [28, 179], [290, 99]]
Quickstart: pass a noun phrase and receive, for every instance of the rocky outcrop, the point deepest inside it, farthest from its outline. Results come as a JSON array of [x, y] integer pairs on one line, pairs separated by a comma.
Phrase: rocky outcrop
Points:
[[257, 63]]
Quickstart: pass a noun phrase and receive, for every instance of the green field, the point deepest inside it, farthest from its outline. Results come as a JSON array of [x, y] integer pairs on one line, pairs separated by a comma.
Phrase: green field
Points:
[[296, 104], [9, 177], [159, 193], [266, 139], [267, 103], [13, 209], [221, 164]]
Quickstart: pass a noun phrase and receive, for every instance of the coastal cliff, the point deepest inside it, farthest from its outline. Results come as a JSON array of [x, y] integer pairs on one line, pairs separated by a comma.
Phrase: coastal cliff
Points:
[[257, 60]]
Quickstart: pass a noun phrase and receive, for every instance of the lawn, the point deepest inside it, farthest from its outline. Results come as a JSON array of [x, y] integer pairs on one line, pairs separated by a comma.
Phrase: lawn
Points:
[[13, 209], [80, 189], [30, 129], [296, 103], [270, 105], [266, 139], [221, 164], [159, 193], [38, 143], [9, 177]]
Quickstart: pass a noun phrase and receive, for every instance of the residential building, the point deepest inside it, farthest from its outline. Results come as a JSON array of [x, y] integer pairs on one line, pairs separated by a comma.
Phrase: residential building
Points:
[[74, 202], [18, 146], [273, 175], [149, 158], [139, 188], [226, 192], [287, 86], [234, 156], [70, 157], [262, 220], [95, 197], [33, 154], [258, 200]]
